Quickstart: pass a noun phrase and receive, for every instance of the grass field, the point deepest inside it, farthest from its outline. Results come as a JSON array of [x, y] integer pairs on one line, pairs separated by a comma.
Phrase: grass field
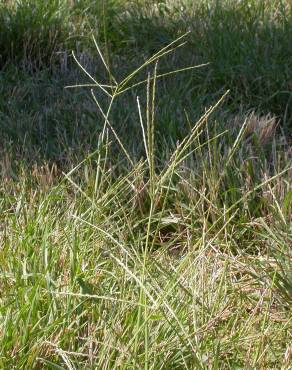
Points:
[[145, 184]]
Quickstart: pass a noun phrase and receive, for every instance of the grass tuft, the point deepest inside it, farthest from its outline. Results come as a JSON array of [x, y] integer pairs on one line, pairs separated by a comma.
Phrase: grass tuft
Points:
[[145, 210]]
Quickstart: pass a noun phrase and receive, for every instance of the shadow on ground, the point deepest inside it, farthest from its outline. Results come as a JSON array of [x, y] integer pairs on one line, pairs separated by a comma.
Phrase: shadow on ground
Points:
[[248, 53]]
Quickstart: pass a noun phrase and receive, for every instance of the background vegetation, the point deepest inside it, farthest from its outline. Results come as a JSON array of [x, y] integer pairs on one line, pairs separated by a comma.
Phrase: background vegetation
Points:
[[145, 225]]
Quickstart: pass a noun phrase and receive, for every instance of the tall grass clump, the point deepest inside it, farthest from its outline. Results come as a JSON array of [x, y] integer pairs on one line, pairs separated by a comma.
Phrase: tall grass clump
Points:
[[32, 32], [150, 256]]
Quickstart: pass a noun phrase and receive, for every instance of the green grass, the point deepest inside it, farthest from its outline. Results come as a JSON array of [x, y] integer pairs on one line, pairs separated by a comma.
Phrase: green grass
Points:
[[145, 226], [247, 43]]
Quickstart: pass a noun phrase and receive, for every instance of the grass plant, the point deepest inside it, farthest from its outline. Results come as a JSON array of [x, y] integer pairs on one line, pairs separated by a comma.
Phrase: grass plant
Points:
[[144, 221]]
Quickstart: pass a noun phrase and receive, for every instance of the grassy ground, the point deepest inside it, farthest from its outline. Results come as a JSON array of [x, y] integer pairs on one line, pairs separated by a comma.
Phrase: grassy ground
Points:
[[145, 225]]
